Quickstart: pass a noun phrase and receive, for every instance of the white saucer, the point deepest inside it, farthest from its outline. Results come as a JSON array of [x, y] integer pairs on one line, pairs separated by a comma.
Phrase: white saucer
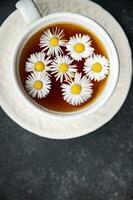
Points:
[[31, 120]]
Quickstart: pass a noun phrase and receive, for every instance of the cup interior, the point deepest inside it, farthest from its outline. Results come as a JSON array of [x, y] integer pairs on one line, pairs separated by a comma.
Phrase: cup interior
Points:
[[104, 38]]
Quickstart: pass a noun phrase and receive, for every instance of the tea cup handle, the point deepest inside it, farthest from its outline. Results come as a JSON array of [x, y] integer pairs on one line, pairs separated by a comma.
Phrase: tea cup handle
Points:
[[28, 10]]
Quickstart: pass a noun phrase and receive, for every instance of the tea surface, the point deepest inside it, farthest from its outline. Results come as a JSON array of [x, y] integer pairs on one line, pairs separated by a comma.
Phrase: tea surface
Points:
[[54, 100]]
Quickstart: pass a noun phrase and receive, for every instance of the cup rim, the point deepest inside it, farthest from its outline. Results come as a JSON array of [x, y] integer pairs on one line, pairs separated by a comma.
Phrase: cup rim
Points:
[[92, 108]]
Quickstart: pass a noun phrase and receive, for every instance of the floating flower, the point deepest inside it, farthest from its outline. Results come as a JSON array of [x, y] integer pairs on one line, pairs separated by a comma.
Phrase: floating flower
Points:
[[38, 63], [52, 41], [62, 68], [96, 67], [38, 85], [77, 91], [79, 47]]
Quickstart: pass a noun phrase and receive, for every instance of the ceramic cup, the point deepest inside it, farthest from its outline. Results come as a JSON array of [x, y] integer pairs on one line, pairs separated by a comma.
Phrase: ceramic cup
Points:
[[32, 15]]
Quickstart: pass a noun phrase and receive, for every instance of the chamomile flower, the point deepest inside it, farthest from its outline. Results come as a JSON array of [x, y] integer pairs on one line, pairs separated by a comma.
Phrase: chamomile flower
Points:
[[52, 41], [38, 85], [97, 67], [79, 47], [62, 68], [78, 90], [38, 63]]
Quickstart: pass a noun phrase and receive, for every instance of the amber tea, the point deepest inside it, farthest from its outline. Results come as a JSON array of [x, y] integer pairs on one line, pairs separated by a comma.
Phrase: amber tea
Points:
[[64, 67]]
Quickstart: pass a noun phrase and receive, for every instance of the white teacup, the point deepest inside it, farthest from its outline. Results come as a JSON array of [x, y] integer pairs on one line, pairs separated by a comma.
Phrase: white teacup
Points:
[[32, 15]]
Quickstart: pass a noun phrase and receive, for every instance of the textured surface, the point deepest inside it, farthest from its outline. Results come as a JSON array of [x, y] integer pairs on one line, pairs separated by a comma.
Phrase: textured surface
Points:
[[98, 166]]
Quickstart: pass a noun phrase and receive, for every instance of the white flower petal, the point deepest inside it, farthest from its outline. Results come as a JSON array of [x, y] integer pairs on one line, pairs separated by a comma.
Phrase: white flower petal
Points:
[[97, 76], [45, 41], [44, 91], [35, 58], [85, 40], [85, 94], [55, 68]]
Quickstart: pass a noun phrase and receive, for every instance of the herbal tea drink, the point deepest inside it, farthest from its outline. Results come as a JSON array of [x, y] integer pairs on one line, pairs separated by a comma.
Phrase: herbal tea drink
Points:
[[64, 67]]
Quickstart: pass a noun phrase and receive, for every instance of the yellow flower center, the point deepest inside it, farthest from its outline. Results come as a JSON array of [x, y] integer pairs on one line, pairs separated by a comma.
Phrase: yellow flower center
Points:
[[96, 67], [63, 67], [54, 41], [79, 47], [76, 89], [38, 85], [39, 66]]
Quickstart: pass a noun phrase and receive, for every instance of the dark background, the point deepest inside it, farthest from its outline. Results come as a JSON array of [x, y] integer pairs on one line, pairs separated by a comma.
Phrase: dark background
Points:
[[98, 166]]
